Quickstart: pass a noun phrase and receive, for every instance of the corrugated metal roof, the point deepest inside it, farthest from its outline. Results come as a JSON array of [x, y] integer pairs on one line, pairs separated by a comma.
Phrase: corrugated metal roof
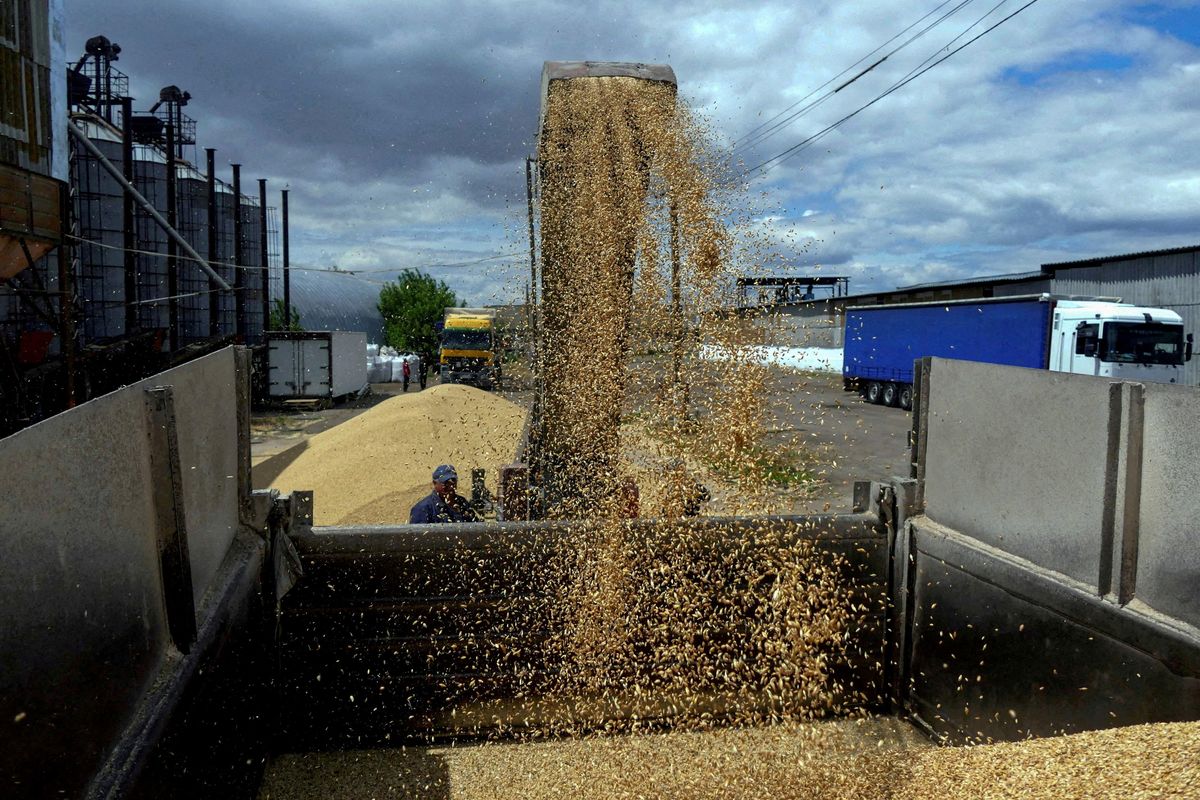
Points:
[[1091, 262], [983, 279], [336, 301]]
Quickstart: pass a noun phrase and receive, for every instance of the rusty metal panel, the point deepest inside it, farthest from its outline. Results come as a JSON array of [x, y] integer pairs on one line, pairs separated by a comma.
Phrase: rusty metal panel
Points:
[[30, 205], [26, 105]]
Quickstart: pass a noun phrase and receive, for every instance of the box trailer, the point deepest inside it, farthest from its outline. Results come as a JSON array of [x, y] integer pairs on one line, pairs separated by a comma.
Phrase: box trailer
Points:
[[1084, 336], [316, 364]]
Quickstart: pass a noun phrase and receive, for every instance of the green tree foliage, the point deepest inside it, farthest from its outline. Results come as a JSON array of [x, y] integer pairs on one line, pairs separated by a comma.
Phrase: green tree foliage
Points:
[[277, 314], [411, 309]]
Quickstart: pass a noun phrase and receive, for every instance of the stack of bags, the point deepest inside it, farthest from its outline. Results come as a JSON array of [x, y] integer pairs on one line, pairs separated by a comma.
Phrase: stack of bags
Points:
[[386, 365]]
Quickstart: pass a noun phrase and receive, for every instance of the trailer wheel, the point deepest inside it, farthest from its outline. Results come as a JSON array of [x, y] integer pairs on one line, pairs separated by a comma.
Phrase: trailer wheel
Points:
[[906, 397], [891, 395], [874, 392]]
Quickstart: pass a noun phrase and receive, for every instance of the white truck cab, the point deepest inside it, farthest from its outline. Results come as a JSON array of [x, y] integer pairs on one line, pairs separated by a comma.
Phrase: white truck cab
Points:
[[1117, 340]]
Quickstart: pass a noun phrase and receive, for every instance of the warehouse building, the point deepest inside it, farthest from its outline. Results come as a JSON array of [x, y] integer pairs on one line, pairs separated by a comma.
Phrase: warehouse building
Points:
[[326, 300], [1162, 278]]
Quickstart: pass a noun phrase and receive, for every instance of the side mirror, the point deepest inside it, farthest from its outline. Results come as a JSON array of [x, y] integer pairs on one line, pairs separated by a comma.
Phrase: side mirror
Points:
[[1187, 348]]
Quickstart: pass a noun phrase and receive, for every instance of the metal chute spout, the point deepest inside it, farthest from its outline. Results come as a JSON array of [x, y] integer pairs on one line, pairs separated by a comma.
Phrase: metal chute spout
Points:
[[569, 70]]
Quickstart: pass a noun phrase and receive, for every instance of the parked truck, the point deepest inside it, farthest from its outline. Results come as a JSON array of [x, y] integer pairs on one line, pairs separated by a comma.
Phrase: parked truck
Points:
[[1084, 336], [468, 348]]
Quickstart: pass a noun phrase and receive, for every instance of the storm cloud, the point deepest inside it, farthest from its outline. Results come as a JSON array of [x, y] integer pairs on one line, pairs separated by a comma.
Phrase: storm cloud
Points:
[[401, 129]]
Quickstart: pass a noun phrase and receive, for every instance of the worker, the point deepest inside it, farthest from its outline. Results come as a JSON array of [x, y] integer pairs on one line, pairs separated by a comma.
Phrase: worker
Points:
[[422, 370], [687, 495], [407, 371], [443, 504]]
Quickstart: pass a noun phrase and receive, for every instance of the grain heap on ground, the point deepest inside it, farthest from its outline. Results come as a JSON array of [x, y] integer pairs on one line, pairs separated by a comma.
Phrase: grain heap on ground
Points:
[[372, 468]]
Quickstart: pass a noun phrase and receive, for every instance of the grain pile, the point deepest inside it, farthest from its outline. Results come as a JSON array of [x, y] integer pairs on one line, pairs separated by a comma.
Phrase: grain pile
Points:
[[855, 760], [372, 468]]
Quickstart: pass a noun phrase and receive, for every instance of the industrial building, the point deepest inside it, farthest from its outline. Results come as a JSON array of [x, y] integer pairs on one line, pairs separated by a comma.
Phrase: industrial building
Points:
[[328, 300], [1161, 278], [121, 253]]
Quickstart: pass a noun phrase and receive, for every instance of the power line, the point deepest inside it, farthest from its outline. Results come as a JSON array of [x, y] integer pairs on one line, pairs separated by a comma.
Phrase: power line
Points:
[[253, 268], [961, 34], [758, 138], [749, 134], [798, 147]]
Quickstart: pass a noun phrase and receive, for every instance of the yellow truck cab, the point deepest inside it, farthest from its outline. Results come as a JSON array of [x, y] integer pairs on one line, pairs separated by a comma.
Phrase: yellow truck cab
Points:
[[468, 348]]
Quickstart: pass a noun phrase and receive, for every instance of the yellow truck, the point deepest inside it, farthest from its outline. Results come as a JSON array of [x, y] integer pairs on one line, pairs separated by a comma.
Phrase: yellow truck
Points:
[[469, 348]]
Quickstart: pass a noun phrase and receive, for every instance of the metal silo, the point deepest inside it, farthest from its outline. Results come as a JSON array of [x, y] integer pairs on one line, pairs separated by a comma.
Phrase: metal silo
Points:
[[99, 209], [150, 178], [223, 264], [252, 261], [192, 223]]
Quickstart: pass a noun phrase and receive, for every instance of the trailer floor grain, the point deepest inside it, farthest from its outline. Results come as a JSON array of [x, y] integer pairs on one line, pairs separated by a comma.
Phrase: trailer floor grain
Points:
[[839, 760], [736, 762]]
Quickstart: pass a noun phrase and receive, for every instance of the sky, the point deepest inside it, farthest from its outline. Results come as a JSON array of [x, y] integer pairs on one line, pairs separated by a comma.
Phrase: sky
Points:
[[1069, 131]]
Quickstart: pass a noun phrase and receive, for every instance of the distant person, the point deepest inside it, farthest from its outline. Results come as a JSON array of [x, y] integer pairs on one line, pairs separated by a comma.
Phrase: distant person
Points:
[[422, 370], [407, 372], [443, 504]]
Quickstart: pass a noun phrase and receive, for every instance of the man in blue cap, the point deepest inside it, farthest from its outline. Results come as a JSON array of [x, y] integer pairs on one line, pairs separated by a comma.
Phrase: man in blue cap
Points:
[[443, 504]]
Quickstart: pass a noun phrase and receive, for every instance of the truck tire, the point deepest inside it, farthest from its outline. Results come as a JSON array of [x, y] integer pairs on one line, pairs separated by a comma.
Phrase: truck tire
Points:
[[906, 390], [874, 392], [891, 395]]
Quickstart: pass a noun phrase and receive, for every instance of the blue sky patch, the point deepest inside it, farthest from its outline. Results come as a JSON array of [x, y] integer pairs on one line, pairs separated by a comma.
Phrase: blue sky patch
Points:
[[1077, 62], [1181, 22]]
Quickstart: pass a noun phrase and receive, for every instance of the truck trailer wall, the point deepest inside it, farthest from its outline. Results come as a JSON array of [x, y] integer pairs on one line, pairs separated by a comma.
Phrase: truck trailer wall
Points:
[[90, 610], [881, 343], [1050, 562], [405, 632]]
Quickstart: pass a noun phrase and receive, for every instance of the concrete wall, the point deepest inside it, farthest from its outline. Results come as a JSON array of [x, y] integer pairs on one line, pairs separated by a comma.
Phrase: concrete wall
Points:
[[1058, 469], [83, 620], [1030, 483], [1050, 566]]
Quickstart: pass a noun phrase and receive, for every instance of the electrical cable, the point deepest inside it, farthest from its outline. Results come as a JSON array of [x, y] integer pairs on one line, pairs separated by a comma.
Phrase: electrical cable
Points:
[[756, 139], [252, 268], [804, 144]]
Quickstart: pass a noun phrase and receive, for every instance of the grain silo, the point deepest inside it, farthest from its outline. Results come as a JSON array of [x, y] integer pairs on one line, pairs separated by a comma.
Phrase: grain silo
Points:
[[99, 209], [251, 261], [192, 224], [150, 179], [223, 260]]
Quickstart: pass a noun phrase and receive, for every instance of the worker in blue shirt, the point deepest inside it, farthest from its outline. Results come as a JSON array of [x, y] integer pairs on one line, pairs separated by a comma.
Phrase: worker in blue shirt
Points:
[[443, 504]]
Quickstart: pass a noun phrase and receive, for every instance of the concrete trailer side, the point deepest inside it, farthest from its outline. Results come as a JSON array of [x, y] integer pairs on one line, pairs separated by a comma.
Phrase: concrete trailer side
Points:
[[163, 630]]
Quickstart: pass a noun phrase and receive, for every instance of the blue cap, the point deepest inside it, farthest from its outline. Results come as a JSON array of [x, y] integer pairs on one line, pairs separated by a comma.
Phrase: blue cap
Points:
[[445, 473]]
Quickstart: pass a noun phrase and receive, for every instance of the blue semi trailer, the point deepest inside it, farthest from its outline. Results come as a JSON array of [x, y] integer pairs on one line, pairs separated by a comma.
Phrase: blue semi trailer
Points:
[[1078, 335]]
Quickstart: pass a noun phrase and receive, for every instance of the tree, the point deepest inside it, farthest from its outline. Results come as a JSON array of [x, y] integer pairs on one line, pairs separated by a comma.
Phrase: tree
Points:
[[412, 308], [277, 314]]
